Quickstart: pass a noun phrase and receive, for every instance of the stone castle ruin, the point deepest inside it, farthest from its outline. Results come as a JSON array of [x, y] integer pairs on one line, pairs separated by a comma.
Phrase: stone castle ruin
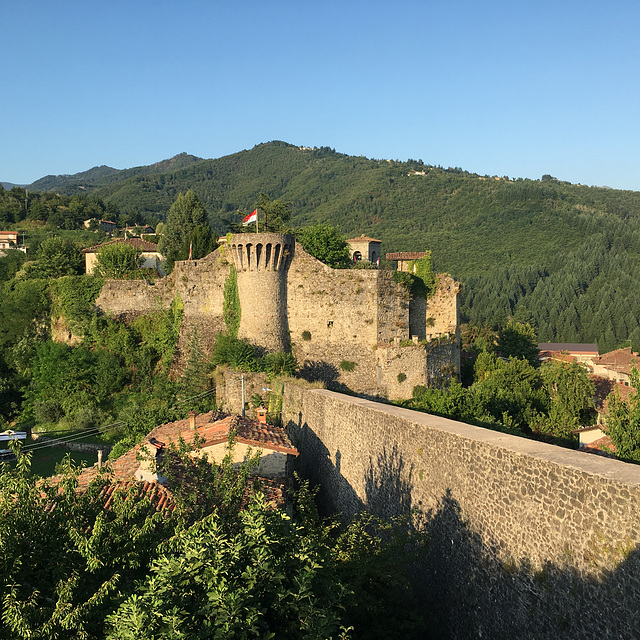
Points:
[[354, 329]]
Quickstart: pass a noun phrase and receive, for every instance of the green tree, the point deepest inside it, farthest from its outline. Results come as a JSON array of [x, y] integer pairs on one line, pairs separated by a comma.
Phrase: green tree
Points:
[[518, 340], [623, 421], [276, 213], [57, 257], [117, 261], [200, 243], [327, 244], [571, 397], [186, 213], [11, 264], [508, 392]]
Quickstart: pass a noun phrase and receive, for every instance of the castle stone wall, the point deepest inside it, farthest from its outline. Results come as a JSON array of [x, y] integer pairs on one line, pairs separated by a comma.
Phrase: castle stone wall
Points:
[[332, 319], [527, 540], [442, 307]]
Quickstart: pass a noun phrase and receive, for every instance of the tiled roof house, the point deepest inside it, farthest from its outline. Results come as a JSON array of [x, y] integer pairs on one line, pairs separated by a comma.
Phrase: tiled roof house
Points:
[[152, 258], [138, 468], [617, 365]]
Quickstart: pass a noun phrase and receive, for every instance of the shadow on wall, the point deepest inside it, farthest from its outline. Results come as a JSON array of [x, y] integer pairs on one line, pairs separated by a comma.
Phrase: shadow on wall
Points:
[[323, 470], [322, 371], [388, 484], [469, 593], [463, 589]]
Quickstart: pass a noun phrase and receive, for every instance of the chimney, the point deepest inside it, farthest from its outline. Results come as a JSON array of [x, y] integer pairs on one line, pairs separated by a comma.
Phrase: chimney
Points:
[[192, 420], [262, 415]]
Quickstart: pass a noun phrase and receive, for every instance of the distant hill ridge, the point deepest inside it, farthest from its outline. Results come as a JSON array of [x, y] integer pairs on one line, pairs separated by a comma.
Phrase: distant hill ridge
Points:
[[98, 176], [564, 256]]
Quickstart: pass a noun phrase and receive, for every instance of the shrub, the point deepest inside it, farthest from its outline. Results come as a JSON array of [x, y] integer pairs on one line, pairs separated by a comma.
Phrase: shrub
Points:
[[402, 377], [231, 311], [236, 352], [347, 365], [117, 261], [279, 363], [306, 335], [327, 244]]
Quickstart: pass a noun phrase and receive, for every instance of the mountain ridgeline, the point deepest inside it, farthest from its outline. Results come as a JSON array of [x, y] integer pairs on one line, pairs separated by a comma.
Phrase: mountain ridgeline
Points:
[[565, 257]]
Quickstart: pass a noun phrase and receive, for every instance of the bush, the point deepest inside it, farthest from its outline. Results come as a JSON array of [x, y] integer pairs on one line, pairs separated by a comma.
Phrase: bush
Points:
[[347, 365], [279, 363], [238, 353], [117, 261], [402, 377], [306, 336], [325, 243]]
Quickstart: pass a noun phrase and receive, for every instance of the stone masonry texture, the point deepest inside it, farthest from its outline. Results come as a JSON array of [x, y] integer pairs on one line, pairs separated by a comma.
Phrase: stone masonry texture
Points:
[[333, 320], [526, 540]]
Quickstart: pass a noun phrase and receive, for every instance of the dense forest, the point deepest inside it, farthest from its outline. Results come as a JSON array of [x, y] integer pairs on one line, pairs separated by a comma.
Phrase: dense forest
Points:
[[563, 257]]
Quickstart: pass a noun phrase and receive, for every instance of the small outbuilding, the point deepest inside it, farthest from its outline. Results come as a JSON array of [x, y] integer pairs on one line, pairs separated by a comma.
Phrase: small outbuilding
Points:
[[364, 248]]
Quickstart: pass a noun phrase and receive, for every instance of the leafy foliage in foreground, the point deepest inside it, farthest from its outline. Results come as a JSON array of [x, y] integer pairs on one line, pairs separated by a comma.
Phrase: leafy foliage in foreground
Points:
[[623, 422], [71, 568]]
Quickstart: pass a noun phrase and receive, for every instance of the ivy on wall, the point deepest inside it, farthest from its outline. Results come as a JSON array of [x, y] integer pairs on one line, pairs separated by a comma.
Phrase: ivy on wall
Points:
[[73, 298], [423, 272], [231, 312]]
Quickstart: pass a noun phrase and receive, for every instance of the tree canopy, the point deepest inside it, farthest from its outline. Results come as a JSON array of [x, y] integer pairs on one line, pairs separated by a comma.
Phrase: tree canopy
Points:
[[186, 213], [327, 244], [117, 260]]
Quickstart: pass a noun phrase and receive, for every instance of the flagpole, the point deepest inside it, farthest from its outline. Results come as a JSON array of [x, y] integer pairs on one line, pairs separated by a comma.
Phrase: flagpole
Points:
[[257, 221]]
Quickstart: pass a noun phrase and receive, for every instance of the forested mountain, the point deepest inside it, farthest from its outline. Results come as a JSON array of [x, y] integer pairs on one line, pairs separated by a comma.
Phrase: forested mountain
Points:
[[566, 257], [87, 181]]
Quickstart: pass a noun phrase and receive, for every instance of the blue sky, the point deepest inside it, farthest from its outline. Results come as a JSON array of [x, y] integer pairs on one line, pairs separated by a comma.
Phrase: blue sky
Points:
[[517, 88]]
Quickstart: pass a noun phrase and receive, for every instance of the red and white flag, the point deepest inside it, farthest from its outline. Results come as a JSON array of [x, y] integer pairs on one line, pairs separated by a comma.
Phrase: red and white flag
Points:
[[252, 217]]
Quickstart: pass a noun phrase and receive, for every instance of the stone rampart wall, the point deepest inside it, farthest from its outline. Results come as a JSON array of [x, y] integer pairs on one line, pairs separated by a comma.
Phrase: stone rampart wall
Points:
[[527, 540], [442, 311]]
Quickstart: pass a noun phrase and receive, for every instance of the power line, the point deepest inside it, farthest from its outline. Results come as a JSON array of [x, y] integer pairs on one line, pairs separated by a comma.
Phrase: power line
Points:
[[89, 432]]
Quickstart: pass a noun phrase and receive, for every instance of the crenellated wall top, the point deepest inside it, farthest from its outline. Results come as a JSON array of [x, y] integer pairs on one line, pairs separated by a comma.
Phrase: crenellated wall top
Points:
[[262, 251]]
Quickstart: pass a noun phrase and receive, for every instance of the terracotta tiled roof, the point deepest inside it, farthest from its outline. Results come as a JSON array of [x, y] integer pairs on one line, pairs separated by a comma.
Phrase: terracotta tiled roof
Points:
[[159, 495], [620, 360], [406, 255], [601, 447], [215, 427], [363, 238], [138, 243]]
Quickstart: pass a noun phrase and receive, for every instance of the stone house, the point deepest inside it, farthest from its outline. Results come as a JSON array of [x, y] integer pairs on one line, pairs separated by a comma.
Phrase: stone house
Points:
[[105, 225], [141, 466], [569, 352], [213, 431], [364, 248]]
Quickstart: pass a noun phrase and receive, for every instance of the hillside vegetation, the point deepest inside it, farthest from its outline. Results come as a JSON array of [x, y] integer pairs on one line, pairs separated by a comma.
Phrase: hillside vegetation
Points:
[[562, 256]]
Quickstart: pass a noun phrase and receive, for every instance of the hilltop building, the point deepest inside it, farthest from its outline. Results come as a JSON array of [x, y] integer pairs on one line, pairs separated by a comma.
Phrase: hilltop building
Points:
[[9, 240], [356, 329]]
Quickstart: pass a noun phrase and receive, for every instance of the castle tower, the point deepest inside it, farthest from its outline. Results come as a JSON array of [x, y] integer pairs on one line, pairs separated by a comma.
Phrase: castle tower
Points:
[[262, 260]]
